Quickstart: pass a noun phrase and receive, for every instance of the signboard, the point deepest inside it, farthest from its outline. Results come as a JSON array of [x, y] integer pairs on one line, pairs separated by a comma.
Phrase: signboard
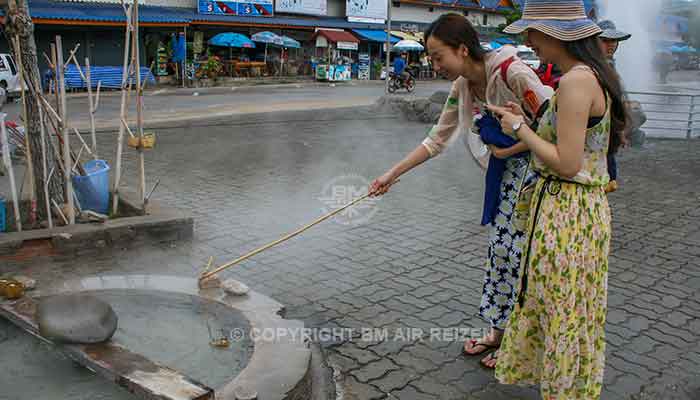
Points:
[[346, 45], [374, 9], [309, 7], [250, 8], [363, 67]]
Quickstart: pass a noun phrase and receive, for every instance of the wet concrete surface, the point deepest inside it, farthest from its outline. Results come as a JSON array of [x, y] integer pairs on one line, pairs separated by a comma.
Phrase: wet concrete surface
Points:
[[416, 262]]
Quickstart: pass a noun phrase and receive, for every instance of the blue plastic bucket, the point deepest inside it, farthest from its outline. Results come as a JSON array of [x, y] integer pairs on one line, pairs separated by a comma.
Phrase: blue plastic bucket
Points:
[[92, 190], [3, 214]]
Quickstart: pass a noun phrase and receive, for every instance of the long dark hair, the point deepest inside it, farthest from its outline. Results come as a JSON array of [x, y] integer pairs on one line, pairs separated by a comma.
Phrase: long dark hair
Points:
[[455, 30], [588, 52]]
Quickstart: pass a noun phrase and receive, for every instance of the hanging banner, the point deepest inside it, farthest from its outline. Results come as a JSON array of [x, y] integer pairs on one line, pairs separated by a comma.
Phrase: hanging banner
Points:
[[372, 9], [250, 8], [308, 7]]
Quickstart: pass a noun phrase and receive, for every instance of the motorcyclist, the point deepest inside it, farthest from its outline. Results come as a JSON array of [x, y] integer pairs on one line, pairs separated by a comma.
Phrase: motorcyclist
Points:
[[400, 68]]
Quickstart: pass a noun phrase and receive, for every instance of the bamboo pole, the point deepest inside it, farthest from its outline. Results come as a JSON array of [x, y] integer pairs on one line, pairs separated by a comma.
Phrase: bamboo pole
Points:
[[7, 160], [27, 148], [122, 112], [85, 76], [64, 133], [139, 109], [93, 108], [44, 166], [209, 274]]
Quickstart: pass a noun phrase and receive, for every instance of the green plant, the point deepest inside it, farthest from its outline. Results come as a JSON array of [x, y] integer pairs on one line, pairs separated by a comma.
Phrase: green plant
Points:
[[211, 68]]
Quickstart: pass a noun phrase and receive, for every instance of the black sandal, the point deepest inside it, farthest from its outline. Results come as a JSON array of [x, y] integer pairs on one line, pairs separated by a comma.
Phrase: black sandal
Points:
[[475, 343]]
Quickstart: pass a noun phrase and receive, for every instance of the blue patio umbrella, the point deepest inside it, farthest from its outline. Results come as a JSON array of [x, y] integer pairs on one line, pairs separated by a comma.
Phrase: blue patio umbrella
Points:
[[231, 39], [267, 38], [290, 43]]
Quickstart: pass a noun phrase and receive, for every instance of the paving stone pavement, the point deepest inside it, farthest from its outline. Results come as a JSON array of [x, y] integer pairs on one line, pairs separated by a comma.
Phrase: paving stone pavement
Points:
[[419, 261]]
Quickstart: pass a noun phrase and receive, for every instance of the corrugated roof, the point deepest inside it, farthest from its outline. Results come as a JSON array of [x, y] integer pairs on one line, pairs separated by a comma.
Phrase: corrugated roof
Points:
[[103, 12]]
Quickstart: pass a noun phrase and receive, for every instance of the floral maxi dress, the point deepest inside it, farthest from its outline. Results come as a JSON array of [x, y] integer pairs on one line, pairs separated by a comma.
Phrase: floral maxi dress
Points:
[[555, 335]]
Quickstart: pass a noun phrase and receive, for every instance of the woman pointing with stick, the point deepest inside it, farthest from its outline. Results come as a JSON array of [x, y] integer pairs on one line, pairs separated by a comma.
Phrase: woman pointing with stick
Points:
[[480, 78]]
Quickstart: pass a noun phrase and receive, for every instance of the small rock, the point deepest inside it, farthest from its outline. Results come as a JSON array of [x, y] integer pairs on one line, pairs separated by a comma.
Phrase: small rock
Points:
[[244, 393], [76, 318], [439, 97], [195, 94], [26, 281], [234, 287]]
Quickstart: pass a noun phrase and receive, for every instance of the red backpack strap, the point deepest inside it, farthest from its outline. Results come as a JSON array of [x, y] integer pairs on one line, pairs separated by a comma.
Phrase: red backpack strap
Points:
[[548, 74], [504, 70]]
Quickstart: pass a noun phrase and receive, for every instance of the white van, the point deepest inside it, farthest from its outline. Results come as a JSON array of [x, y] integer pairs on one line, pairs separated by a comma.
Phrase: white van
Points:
[[9, 78], [528, 56]]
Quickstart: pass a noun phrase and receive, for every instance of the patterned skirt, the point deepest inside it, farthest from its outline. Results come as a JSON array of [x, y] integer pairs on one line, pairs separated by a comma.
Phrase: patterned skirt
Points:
[[555, 336], [506, 244]]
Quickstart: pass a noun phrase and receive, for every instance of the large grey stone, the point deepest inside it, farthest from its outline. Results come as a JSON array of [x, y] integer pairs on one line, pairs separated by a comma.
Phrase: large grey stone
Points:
[[439, 97], [76, 318]]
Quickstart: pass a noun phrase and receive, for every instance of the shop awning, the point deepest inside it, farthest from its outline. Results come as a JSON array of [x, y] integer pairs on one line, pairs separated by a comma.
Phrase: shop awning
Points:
[[343, 40], [408, 36], [337, 36], [372, 35]]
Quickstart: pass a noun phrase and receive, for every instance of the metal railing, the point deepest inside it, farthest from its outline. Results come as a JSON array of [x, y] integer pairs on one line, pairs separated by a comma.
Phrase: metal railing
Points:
[[669, 115]]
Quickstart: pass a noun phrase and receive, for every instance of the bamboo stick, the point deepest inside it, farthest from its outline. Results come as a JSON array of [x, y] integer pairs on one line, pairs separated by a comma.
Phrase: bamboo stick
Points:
[[91, 102], [92, 109], [209, 274], [47, 177], [150, 71], [85, 145], [71, 56], [59, 212], [126, 126], [66, 138], [7, 160], [27, 148], [139, 109], [55, 76], [122, 112]]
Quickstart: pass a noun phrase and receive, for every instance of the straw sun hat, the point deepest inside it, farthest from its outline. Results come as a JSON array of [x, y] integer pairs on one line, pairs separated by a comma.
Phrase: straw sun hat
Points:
[[562, 19]]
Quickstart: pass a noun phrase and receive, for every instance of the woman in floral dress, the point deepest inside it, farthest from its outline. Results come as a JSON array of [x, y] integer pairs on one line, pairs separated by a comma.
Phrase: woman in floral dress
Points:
[[555, 336]]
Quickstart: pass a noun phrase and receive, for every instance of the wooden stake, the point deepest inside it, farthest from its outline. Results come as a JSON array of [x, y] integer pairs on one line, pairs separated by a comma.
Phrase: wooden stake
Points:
[[122, 112], [64, 133], [7, 160]]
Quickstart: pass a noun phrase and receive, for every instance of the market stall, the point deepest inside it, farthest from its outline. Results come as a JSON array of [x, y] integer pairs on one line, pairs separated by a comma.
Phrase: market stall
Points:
[[340, 52], [372, 47]]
